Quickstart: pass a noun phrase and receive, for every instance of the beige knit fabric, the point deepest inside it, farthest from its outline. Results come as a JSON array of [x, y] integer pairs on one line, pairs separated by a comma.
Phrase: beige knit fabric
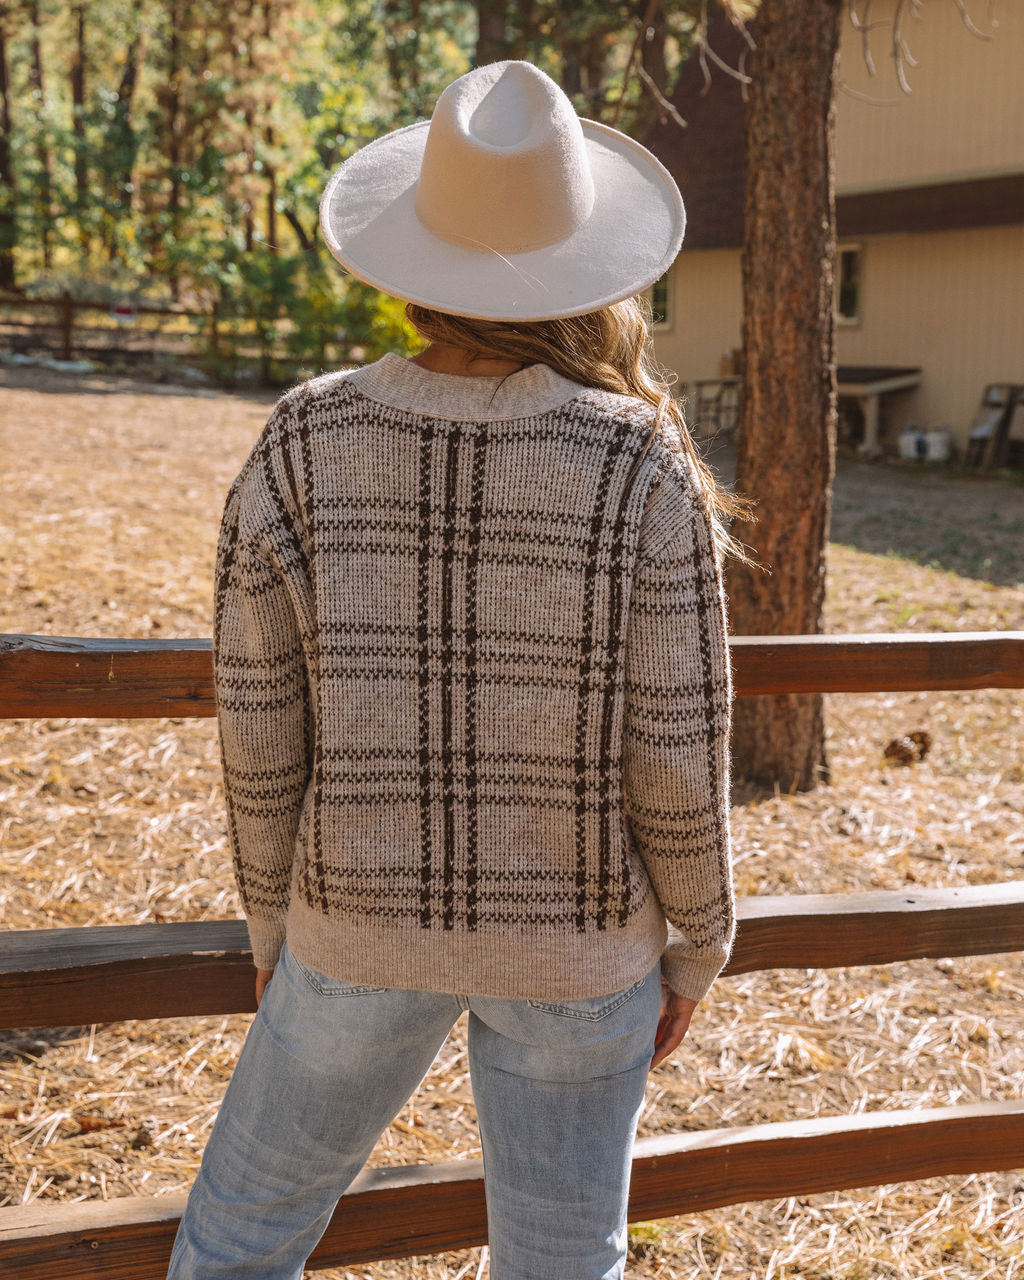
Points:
[[473, 689]]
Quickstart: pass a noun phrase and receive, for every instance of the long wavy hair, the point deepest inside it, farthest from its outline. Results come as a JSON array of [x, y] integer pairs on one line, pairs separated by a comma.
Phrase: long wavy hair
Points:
[[610, 349]]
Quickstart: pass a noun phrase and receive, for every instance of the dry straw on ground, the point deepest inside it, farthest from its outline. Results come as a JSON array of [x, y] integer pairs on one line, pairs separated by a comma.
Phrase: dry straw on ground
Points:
[[114, 493]]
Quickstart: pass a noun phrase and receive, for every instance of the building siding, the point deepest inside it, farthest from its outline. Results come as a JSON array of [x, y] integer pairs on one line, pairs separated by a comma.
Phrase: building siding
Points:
[[964, 114], [951, 302], [707, 307]]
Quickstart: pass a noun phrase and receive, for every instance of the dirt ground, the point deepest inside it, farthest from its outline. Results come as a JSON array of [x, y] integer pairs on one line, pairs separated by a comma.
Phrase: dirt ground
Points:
[[113, 493]]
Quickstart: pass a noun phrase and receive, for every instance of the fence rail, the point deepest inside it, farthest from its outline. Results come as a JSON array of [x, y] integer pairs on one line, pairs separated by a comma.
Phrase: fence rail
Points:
[[167, 329], [47, 676], [67, 977], [399, 1212], [63, 325]]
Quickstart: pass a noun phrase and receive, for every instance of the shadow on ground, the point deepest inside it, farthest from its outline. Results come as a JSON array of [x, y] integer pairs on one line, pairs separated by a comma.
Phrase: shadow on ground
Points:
[[105, 382], [24, 1044], [937, 516], [972, 525]]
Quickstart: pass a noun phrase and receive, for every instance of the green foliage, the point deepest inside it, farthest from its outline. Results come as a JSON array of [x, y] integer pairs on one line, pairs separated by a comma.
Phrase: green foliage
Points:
[[193, 169], [298, 312]]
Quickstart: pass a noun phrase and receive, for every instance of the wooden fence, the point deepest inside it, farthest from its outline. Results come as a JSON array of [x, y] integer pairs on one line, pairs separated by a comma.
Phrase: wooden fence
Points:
[[132, 331], [60, 977], [61, 331]]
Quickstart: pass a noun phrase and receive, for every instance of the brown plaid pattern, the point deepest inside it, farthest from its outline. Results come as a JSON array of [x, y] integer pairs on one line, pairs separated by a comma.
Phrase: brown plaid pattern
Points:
[[472, 687]]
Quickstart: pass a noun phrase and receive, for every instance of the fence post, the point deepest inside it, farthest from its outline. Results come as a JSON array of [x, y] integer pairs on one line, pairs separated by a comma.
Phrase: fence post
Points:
[[66, 321]]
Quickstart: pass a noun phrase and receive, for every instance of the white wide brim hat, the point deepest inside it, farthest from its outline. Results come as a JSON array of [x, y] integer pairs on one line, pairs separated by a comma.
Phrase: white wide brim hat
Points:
[[505, 205]]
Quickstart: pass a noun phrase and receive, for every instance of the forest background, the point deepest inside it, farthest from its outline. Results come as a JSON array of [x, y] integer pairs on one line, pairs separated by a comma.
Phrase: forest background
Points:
[[175, 150]]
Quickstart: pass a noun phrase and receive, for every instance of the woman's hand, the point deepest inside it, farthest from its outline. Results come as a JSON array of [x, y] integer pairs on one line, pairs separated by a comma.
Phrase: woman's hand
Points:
[[676, 1012], [263, 976]]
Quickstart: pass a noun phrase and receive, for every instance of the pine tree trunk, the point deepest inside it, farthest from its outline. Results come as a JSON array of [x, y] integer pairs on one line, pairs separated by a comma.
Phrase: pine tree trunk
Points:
[[269, 168], [175, 69], [122, 131], [492, 41], [44, 198], [78, 129], [8, 220], [270, 172], [250, 131], [786, 445]]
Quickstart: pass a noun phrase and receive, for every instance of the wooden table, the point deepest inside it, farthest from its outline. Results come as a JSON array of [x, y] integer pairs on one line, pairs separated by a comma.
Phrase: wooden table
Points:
[[867, 384], [715, 401]]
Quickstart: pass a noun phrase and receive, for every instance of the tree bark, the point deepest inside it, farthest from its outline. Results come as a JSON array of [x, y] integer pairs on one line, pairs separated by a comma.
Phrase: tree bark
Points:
[[175, 69], [271, 174], [78, 128], [122, 130], [521, 35], [786, 446], [269, 168], [8, 218], [250, 130], [492, 42], [306, 243], [44, 197]]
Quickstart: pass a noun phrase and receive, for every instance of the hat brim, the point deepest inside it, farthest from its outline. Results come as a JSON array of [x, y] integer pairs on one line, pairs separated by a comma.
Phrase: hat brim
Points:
[[369, 223]]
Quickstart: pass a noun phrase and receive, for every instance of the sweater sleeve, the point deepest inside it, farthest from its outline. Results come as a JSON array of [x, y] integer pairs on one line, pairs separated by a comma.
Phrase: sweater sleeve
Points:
[[676, 736], [264, 722]]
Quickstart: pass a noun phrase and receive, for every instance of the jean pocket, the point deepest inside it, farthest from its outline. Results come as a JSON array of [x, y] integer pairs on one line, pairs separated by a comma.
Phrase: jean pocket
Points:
[[591, 1009], [326, 986]]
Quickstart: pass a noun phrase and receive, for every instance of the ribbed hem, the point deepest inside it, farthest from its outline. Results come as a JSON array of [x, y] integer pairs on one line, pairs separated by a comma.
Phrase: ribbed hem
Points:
[[522, 966], [267, 939], [398, 382], [690, 975]]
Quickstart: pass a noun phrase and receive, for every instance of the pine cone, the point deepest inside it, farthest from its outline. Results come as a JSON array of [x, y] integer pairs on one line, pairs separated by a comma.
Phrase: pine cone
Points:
[[923, 741], [901, 751], [909, 748]]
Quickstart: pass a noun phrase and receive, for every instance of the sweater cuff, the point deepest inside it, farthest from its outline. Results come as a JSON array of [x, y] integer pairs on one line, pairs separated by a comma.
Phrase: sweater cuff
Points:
[[266, 938], [689, 975]]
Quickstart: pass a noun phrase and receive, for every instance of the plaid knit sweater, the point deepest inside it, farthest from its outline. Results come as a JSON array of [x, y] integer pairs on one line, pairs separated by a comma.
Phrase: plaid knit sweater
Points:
[[473, 689]]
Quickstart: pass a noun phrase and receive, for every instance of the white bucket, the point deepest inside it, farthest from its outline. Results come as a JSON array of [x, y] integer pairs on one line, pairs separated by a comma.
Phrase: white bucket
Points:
[[937, 445], [913, 444]]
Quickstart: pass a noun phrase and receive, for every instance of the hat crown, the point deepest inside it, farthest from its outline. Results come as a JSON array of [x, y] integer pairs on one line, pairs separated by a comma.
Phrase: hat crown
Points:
[[505, 167]]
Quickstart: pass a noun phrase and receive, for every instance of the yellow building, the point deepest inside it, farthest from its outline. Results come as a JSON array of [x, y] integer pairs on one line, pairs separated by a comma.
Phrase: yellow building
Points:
[[929, 211]]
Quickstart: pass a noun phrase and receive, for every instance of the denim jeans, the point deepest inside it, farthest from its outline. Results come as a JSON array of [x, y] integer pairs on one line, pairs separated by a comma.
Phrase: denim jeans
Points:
[[327, 1065]]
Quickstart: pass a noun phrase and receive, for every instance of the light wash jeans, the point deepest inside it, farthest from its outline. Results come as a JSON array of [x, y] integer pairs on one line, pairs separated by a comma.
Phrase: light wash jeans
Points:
[[327, 1065]]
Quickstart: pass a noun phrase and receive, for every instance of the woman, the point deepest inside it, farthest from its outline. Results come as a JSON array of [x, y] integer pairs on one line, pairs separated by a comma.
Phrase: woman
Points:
[[473, 697]]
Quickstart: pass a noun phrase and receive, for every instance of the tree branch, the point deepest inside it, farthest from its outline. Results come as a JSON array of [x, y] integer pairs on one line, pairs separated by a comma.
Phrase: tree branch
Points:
[[645, 22], [659, 97], [968, 21], [705, 51], [308, 245], [901, 55]]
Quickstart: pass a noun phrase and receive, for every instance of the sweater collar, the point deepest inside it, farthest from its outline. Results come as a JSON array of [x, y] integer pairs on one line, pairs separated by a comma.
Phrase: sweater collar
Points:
[[398, 382]]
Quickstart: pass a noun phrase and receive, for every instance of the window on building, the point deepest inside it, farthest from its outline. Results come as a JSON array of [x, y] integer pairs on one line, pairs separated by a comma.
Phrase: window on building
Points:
[[660, 301], [848, 284]]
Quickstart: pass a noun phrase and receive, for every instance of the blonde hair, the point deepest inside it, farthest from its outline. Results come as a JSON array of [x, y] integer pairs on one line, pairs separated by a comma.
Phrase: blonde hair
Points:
[[610, 349]]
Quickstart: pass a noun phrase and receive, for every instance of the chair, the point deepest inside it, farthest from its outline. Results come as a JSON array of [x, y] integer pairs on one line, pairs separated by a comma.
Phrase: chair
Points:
[[988, 444]]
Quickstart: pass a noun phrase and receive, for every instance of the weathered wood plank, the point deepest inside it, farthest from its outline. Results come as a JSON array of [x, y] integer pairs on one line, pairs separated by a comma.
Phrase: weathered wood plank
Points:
[[397, 1213], [687, 1173], [67, 977], [70, 977], [55, 676], [841, 930], [878, 663], [51, 676]]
